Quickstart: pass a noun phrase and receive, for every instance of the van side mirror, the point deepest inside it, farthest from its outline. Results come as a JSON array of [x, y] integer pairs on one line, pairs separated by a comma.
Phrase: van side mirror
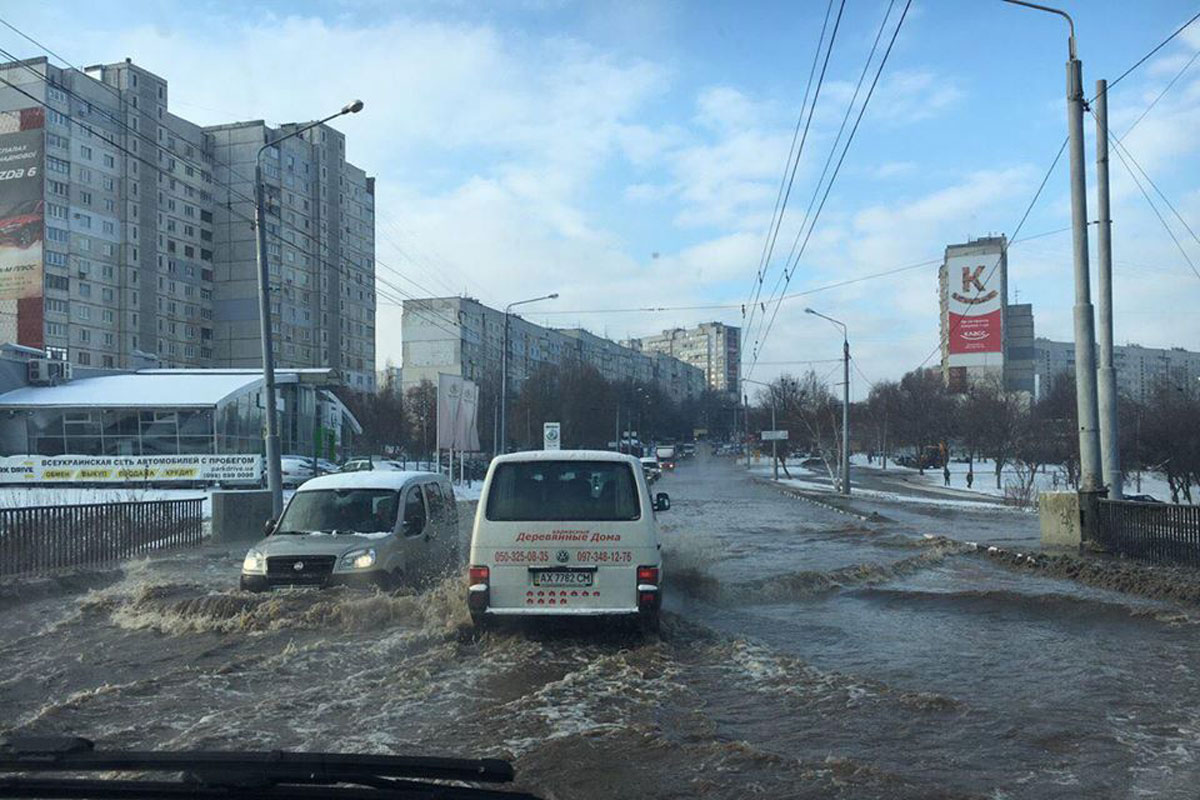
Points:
[[269, 526], [662, 502]]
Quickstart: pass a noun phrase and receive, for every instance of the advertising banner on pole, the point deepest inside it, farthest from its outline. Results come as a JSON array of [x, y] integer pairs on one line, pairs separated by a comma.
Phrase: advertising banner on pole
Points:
[[457, 413], [206, 468], [975, 309], [22, 144]]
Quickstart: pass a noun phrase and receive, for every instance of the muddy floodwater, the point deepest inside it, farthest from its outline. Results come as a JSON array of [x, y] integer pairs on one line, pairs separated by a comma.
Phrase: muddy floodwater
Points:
[[804, 653]]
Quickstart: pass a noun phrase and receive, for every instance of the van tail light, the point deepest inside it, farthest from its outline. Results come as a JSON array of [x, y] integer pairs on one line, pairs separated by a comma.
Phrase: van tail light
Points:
[[648, 575], [647, 588], [478, 592]]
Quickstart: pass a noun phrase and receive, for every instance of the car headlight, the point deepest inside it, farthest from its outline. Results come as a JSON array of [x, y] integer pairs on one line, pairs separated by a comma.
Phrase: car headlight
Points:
[[254, 563], [359, 559]]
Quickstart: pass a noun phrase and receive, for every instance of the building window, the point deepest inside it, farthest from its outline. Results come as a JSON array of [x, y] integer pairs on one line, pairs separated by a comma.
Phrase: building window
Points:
[[85, 152], [85, 289]]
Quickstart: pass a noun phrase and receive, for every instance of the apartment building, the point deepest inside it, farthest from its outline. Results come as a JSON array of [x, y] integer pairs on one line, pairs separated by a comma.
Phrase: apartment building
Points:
[[461, 336], [1138, 368], [714, 347], [148, 252]]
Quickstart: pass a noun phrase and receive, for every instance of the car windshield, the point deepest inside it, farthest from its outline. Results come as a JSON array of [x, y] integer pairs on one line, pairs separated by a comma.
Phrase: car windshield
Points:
[[563, 491], [340, 511]]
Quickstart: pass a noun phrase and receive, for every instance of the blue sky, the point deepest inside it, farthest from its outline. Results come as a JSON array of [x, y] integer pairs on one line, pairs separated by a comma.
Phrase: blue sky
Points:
[[529, 147]]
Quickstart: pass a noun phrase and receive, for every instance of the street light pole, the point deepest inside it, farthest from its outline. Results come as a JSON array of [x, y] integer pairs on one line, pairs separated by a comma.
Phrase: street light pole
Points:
[[504, 368], [1086, 402], [274, 468], [845, 470]]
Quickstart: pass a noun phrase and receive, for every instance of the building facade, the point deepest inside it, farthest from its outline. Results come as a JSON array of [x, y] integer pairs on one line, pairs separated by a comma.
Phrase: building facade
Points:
[[1138, 368], [972, 306], [461, 336], [148, 249], [712, 346]]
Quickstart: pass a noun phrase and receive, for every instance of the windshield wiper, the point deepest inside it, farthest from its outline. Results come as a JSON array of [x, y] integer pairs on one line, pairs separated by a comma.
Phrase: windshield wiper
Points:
[[289, 533], [244, 774]]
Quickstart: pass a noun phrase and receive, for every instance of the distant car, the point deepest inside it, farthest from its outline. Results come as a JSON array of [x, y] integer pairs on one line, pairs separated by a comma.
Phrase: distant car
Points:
[[652, 469], [687, 450], [374, 528], [1142, 498]]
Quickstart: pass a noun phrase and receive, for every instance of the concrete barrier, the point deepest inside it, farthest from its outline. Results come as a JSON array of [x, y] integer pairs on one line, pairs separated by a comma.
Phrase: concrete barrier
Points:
[[238, 516], [1061, 518]]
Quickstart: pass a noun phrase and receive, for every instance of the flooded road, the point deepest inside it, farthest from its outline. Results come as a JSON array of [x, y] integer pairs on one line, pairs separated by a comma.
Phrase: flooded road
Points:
[[805, 653]]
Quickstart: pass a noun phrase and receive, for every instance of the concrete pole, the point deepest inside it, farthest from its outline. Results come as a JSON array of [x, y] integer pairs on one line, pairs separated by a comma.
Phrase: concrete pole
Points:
[[845, 414], [1106, 385], [774, 443], [1085, 343], [504, 389], [274, 469]]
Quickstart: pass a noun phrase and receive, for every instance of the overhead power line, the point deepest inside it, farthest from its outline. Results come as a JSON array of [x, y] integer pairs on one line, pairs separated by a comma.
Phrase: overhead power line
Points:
[[794, 155], [837, 169]]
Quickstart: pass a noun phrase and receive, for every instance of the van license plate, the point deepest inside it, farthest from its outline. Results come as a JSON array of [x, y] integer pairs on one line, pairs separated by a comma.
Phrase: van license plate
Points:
[[562, 577]]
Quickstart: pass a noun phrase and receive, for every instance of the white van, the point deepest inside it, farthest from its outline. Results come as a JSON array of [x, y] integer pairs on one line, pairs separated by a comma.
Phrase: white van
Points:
[[566, 532]]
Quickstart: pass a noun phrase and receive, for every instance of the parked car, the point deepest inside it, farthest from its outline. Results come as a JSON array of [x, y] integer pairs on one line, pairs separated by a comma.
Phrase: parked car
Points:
[[369, 464], [568, 533], [295, 470], [375, 527], [1142, 498]]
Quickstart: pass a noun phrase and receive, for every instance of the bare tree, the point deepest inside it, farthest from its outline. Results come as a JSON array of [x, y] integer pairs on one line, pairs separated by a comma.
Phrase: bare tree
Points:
[[926, 412]]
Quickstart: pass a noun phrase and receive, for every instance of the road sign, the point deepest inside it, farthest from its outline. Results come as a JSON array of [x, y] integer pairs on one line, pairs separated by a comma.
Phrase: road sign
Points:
[[551, 432], [774, 436]]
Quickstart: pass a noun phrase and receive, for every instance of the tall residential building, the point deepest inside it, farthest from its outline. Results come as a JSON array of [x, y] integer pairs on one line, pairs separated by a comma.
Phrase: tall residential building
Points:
[[712, 346], [1138, 368], [320, 247], [148, 252], [461, 336], [973, 292]]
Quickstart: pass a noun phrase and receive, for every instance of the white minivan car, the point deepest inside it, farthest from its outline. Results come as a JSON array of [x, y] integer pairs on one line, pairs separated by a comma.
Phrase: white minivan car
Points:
[[374, 527], [566, 533]]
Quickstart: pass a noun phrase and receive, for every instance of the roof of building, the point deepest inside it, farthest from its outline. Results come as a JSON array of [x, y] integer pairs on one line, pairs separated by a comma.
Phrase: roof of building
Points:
[[134, 390]]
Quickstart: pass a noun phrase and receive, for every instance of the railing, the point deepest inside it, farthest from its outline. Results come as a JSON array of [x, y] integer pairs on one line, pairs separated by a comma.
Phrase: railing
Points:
[[42, 538], [1163, 532]]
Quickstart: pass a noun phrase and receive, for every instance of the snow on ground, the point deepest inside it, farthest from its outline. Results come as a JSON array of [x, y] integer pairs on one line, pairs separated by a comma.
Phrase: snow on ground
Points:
[[764, 470], [1051, 479], [468, 491]]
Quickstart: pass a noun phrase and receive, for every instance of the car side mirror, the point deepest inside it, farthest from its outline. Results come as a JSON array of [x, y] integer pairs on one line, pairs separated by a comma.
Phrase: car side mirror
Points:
[[662, 502], [269, 526]]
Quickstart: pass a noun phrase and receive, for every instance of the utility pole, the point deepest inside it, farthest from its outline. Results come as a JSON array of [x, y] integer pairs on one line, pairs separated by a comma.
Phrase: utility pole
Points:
[[274, 468], [1106, 383], [844, 477], [774, 442], [1086, 402], [504, 369]]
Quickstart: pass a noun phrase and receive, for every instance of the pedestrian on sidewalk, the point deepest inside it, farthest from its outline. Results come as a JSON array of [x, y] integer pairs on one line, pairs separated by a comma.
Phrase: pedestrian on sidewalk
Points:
[[946, 474], [970, 478]]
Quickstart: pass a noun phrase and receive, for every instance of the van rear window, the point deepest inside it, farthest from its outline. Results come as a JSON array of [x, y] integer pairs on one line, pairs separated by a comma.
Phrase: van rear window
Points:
[[562, 491]]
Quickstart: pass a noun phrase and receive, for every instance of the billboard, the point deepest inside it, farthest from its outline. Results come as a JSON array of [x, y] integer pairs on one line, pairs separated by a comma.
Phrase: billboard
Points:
[[231, 468], [21, 205], [457, 410], [975, 309]]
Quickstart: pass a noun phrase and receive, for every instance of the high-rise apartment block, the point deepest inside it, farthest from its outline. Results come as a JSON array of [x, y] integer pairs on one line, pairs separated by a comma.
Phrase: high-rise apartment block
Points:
[[712, 346], [148, 249]]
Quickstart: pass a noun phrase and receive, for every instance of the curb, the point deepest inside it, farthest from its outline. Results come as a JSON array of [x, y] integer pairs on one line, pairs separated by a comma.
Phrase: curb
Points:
[[795, 494]]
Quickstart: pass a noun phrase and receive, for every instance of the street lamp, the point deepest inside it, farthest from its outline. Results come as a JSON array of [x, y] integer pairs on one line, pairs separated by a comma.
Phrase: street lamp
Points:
[[774, 443], [504, 367], [274, 469], [845, 476], [1086, 398]]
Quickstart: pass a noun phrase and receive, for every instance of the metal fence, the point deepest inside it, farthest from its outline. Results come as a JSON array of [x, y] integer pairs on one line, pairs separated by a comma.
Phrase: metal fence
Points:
[[1163, 532], [43, 538]]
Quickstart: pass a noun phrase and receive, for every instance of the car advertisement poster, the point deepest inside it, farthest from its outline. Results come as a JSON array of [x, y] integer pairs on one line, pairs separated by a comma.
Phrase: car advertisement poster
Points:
[[457, 413], [976, 310], [244, 468], [21, 206]]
